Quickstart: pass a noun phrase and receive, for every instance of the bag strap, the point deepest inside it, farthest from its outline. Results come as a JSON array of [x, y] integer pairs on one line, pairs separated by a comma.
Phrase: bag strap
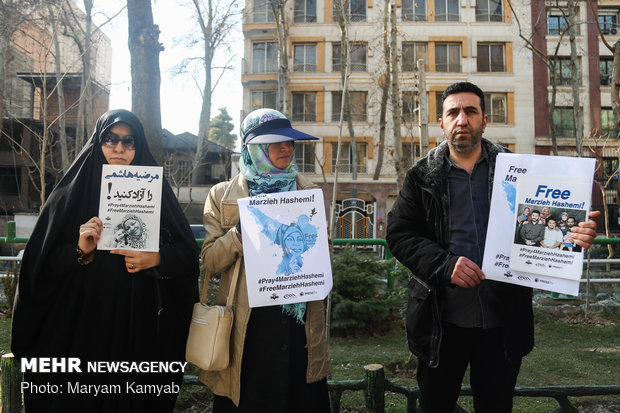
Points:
[[231, 290]]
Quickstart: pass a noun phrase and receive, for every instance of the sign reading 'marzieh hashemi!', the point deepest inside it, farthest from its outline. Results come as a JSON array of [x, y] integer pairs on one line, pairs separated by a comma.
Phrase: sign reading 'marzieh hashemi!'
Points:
[[285, 247], [536, 201]]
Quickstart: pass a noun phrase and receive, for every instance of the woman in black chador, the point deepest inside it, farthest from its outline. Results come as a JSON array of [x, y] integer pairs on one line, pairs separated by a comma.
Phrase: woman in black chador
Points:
[[120, 305]]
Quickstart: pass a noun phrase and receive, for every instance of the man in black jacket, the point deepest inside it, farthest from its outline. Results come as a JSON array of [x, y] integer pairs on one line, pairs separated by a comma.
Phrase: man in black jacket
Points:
[[437, 228]]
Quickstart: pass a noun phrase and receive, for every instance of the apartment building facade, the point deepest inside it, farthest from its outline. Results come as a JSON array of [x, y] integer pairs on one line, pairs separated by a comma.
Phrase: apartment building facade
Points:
[[459, 40], [31, 105]]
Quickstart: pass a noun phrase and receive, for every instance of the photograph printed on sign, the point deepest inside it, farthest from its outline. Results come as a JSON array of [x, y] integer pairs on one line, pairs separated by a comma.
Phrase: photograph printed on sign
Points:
[[547, 208]]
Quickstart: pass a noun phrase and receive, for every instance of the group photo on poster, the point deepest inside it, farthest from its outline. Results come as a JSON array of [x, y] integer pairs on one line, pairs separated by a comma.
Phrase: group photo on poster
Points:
[[542, 242]]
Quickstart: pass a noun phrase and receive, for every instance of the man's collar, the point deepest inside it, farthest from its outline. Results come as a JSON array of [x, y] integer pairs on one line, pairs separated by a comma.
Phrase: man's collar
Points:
[[449, 164]]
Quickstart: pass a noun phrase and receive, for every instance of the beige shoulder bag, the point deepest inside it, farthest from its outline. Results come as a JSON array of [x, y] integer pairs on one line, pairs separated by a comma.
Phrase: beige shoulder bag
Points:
[[208, 342]]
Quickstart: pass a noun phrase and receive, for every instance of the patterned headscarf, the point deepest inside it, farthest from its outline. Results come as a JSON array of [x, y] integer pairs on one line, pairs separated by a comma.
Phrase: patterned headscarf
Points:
[[264, 178]]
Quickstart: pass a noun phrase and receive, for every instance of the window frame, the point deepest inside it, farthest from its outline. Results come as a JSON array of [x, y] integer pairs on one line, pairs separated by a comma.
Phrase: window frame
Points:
[[355, 116], [413, 11], [351, 17], [309, 49], [305, 115], [564, 114], [262, 8], [346, 157], [448, 4], [268, 63], [490, 17], [608, 118], [563, 69], [489, 99], [303, 164], [409, 112], [489, 57], [406, 65], [448, 64], [355, 51], [606, 69], [301, 15], [262, 99]]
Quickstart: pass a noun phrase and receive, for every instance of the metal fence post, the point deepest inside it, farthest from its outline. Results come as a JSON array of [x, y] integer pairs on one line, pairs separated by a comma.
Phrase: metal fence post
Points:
[[374, 390], [10, 380]]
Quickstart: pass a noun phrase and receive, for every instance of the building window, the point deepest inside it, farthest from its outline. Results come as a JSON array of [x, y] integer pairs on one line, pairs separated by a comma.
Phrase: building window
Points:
[[346, 157], [265, 57], [262, 12], [355, 10], [447, 57], [357, 102], [305, 156], [606, 66], [410, 103], [263, 99], [489, 11], [495, 107], [438, 105], [564, 122], [412, 52], [10, 180], [411, 151], [305, 11], [557, 23], [610, 168], [304, 106], [304, 58], [608, 123], [413, 11], [357, 59], [178, 172], [446, 10], [491, 58], [563, 72], [608, 20]]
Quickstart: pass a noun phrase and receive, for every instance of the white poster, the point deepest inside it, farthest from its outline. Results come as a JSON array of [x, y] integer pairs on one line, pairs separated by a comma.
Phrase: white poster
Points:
[[130, 207], [285, 247], [542, 242], [509, 169]]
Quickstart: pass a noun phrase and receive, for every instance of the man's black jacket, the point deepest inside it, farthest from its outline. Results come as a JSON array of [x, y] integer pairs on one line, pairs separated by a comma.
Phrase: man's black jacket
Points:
[[418, 236]]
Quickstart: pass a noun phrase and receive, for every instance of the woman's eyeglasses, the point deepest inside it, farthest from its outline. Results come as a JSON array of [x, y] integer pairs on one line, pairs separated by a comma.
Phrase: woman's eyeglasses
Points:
[[112, 139]]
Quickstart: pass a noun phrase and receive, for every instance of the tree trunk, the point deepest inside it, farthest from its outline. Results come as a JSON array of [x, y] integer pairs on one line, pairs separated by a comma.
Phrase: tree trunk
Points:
[[206, 27], [399, 163], [554, 92], [385, 90], [576, 77], [144, 48], [60, 93], [279, 12], [422, 108]]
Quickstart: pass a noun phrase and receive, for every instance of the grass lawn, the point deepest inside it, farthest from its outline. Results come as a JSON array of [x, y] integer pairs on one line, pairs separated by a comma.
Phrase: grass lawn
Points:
[[565, 354]]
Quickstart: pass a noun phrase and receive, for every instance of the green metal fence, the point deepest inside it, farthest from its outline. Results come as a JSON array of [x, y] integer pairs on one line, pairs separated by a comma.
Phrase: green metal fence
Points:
[[373, 384]]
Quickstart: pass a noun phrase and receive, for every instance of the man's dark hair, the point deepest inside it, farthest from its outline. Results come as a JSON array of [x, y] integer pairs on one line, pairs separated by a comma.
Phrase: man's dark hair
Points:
[[460, 87], [536, 211]]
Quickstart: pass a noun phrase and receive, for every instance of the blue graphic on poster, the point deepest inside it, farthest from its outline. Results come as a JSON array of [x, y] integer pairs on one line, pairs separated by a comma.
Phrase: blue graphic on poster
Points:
[[294, 238]]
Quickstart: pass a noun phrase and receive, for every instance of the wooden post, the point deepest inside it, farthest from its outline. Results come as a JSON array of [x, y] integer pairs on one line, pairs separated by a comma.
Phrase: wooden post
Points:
[[374, 390], [10, 382]]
